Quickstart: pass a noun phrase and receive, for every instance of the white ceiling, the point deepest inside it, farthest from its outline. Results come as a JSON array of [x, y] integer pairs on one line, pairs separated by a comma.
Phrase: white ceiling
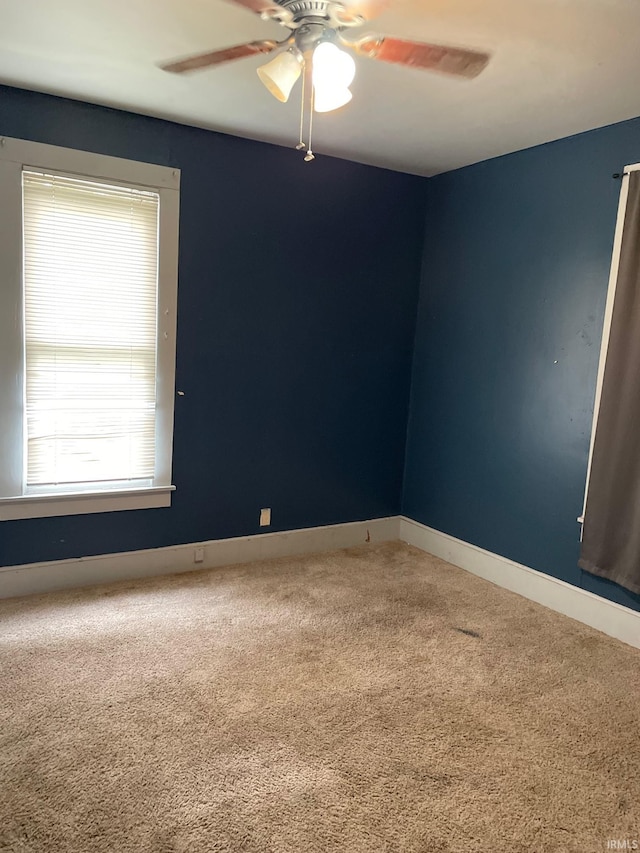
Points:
[[559, 67]]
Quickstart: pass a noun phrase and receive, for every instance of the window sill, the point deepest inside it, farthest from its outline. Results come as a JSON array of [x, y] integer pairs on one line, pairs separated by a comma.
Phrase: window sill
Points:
[[79, 503]]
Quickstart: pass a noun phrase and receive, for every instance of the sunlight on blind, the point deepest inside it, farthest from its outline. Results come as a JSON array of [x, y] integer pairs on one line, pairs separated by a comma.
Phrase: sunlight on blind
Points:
[[90, 279]]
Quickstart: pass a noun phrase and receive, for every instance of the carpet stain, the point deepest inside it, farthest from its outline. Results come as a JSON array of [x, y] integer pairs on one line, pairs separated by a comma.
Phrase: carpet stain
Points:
[[468, 632]]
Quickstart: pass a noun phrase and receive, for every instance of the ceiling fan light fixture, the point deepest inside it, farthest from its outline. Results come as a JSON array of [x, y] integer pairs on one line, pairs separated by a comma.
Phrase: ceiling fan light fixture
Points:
[[333, 72], [280, 74]]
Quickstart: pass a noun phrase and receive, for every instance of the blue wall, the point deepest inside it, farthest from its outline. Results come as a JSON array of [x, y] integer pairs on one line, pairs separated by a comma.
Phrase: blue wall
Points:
[[296, 310], [515, 273], [297, 299]]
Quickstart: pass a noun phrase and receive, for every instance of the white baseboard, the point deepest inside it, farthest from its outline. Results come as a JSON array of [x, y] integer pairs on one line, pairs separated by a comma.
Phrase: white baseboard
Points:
[[606, 616], [106, 568]]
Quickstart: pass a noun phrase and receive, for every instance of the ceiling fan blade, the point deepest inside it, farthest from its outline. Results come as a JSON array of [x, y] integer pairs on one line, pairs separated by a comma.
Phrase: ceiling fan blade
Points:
[[217, 57], [436, 57], [257, 6], [366, 9]]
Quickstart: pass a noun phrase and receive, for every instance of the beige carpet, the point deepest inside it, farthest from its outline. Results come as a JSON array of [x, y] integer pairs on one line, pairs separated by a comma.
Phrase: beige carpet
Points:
[[373, 699]]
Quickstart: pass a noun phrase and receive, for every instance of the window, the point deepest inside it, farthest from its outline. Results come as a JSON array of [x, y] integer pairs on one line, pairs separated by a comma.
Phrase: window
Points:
[[88, 286]]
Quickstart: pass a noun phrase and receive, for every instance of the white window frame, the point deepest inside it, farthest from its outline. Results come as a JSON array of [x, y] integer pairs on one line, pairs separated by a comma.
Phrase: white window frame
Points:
[[16, 155], [606, 325]]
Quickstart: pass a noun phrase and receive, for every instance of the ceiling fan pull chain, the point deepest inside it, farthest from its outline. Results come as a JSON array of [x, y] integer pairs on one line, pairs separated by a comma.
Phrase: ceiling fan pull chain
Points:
[[301, 144], [310, 155]]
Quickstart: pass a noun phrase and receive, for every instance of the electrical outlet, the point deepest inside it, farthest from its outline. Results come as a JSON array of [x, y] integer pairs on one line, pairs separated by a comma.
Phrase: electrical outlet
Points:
[[198, 555], [265, 517]]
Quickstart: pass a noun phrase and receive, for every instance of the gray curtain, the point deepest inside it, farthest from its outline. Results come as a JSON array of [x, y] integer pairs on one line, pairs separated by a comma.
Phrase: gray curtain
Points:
[[611, 532]]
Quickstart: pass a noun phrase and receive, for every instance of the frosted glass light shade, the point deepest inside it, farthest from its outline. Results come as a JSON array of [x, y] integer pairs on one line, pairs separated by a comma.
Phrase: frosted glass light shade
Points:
[[332, 67], [279, 76], [326, 100], [333, 71]]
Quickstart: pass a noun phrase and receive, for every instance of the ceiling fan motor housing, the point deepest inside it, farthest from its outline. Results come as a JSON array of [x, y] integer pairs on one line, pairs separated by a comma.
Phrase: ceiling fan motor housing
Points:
[[317, 14], [306, 8]]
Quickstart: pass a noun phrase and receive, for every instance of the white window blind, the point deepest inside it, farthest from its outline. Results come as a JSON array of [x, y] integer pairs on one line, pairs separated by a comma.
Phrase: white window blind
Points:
[[90, 301]]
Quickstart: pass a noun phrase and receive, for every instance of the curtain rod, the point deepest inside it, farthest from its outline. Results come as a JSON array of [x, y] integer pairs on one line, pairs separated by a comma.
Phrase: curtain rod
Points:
[[620, 175]]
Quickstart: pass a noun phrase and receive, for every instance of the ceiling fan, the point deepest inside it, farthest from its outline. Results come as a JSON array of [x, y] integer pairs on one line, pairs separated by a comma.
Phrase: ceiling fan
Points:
[[312, 49]]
